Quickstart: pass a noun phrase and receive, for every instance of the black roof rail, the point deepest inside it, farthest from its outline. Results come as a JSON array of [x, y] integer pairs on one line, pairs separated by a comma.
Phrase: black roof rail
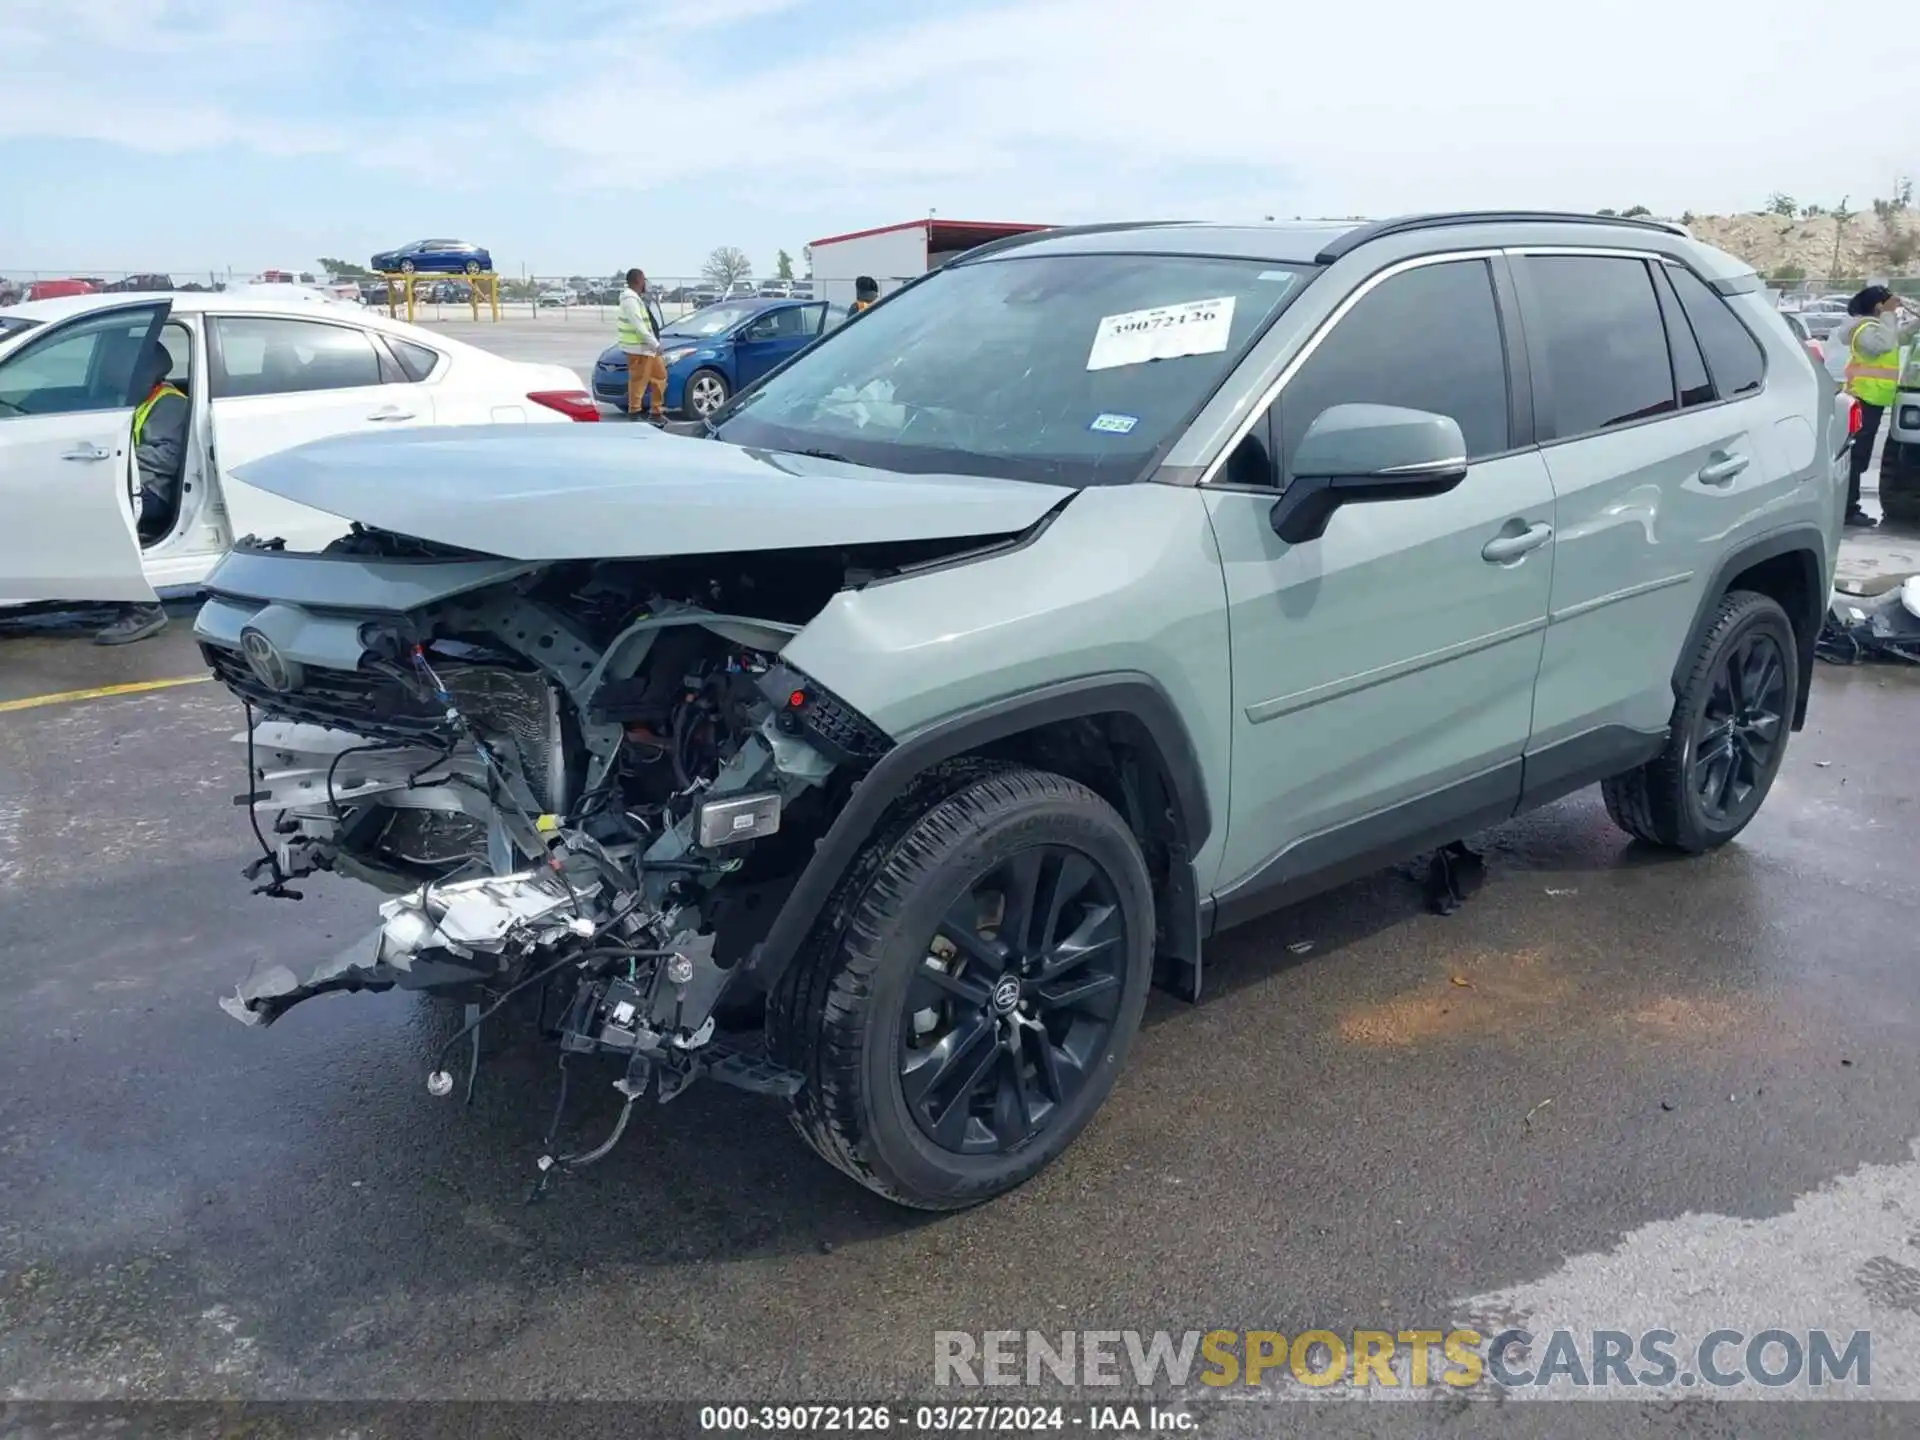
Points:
[[1027, 237], [1403, 224]]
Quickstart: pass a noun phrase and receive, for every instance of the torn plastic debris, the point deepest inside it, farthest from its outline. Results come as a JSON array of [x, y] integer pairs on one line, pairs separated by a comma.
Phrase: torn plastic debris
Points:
[[439, 936]]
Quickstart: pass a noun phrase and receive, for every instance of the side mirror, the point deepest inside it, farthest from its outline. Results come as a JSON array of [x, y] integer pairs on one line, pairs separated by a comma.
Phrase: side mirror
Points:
[[1359, 454]]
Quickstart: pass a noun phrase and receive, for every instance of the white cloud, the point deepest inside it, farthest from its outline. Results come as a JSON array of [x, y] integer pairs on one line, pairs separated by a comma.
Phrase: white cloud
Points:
[[1700, 105], [1055, 109]]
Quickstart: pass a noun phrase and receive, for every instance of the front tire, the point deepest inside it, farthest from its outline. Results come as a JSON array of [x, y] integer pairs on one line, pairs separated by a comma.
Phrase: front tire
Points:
[[473, 267], [406, 267], [1727, 737], [706, 392], [961, 1023]]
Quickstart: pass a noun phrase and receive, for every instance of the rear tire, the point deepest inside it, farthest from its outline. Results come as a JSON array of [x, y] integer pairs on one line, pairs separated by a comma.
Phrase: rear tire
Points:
[[940, 1073], [1727, 737]]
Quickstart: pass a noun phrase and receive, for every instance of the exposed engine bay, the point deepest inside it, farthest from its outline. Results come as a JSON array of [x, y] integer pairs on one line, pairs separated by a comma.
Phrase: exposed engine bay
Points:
[[592, 781]]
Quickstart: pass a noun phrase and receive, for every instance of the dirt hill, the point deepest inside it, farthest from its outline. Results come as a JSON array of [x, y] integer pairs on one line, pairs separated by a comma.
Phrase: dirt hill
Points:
[[1768, 242]]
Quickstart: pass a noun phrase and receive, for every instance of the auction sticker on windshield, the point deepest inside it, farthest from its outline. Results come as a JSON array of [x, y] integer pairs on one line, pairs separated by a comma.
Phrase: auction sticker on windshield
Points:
[[1199, 327]]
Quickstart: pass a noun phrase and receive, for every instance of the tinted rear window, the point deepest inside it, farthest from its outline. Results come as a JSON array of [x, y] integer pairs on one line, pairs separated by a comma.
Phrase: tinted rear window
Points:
[[1733, 355], [417, 360], [1602, 342]]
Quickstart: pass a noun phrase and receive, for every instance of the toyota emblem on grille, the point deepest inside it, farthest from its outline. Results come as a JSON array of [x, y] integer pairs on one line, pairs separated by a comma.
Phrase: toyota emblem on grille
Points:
[[269, 666]]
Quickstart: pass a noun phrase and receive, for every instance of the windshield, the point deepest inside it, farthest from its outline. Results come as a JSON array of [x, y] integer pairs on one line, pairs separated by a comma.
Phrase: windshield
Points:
[[712, 320], [1072, 369]]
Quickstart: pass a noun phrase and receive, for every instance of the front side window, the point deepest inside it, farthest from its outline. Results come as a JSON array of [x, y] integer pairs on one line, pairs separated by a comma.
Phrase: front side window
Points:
[[272, 356], [791, 323], [1733, 355], [1427, 339], [89, 365], [1070, 369], [1601, 342], [710, 321]]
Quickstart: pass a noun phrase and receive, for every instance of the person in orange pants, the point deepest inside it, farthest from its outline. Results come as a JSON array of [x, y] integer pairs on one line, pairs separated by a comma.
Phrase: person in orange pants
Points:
[[646, 371]]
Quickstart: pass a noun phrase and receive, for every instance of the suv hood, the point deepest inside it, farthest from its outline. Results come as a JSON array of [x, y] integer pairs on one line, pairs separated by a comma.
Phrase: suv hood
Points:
[[586, 492]]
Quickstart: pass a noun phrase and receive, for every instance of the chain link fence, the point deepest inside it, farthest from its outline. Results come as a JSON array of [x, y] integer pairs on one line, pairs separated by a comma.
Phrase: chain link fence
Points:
[[562, 298]]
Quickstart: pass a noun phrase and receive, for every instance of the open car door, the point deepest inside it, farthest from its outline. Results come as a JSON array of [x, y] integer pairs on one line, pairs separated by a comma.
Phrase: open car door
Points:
[[67, 397], [278, 381]]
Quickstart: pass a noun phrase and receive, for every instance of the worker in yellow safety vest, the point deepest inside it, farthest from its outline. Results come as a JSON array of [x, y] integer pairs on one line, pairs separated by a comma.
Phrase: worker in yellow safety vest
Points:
[[635, 333], [1872, 335], [160, 424]]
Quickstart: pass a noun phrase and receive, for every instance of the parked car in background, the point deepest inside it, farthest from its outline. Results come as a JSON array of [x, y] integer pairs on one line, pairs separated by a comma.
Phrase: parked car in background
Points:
[[1805, 336], [713, 353], [59, 289], [434, 257], [549, 299], [263, 370], [138, 284], [776, 289]]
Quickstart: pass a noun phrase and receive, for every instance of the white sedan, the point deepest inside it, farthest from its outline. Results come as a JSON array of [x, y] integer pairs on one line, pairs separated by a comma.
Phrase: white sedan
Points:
[[261, 375]]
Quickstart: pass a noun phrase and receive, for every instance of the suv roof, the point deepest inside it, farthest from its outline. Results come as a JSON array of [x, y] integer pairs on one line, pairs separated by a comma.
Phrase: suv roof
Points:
[[1318, 242]]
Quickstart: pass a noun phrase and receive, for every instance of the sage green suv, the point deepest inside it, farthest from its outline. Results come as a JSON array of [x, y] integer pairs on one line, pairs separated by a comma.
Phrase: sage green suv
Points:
[[875, 743]]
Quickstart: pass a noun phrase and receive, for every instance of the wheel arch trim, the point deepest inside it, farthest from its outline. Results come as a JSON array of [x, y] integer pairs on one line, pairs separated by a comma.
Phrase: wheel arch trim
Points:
[[1132, 693], [1803, 541]]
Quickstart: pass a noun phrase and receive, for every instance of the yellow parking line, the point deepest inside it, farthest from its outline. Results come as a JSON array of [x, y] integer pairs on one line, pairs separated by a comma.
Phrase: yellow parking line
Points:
[[132, 687]]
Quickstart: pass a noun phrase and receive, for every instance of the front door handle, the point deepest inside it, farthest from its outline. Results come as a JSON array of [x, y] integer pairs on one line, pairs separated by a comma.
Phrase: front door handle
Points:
[[1503, 548], [392, 412], [1722, 470], [88, 453]]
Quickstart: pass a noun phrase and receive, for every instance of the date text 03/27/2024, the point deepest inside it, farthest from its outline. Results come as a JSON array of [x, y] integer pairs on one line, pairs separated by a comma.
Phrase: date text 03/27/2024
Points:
[[944, 1419]]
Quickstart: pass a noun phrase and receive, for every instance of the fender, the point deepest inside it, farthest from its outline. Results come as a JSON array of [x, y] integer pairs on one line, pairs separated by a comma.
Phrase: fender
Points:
[[1131, 693], [1809, 545]]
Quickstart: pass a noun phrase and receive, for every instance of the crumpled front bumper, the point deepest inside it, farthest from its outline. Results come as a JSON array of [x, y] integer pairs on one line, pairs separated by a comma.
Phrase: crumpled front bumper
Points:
[[439, 937]]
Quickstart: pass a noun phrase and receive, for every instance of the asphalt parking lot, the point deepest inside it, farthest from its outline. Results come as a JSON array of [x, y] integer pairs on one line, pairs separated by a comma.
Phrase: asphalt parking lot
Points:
[[571, 336], [1612, 1086]]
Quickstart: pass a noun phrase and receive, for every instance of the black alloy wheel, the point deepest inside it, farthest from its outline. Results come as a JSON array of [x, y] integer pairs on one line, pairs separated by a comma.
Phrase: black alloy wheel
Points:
[[1739, 728], [1015, 1002]]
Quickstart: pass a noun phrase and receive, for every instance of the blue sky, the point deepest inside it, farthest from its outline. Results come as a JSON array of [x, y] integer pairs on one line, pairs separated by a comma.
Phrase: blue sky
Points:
[[194, 135]]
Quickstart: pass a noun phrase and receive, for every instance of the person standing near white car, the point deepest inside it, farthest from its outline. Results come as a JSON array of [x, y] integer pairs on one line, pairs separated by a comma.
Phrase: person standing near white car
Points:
[[160, 450], [646, 371]]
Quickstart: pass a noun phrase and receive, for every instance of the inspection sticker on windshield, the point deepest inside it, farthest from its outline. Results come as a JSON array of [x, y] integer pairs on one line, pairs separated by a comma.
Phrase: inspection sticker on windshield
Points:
[[1107, 423], [1198, 327]]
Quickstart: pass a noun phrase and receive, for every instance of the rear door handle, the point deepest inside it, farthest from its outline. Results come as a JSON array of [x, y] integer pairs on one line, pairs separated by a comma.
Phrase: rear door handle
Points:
[[87, 452], [1722, 470], [1503, 548], [391, 412]]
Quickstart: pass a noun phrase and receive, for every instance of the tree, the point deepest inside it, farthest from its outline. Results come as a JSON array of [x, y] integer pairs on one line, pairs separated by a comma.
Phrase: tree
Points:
[[783, 266], [1812, 212], [1841, 215], [806, 254], [727, 265], [1686, 217], [1790, 274], [1778, 204], [1633, 210], [345, 269]]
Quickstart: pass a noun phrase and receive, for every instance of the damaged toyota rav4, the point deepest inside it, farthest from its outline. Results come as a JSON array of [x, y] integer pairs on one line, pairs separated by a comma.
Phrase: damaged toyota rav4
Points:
[[877, 743]]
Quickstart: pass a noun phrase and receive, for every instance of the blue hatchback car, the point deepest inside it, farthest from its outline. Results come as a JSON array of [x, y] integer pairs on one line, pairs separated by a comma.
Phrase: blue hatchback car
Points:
[[713, 353], [434, 257]]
